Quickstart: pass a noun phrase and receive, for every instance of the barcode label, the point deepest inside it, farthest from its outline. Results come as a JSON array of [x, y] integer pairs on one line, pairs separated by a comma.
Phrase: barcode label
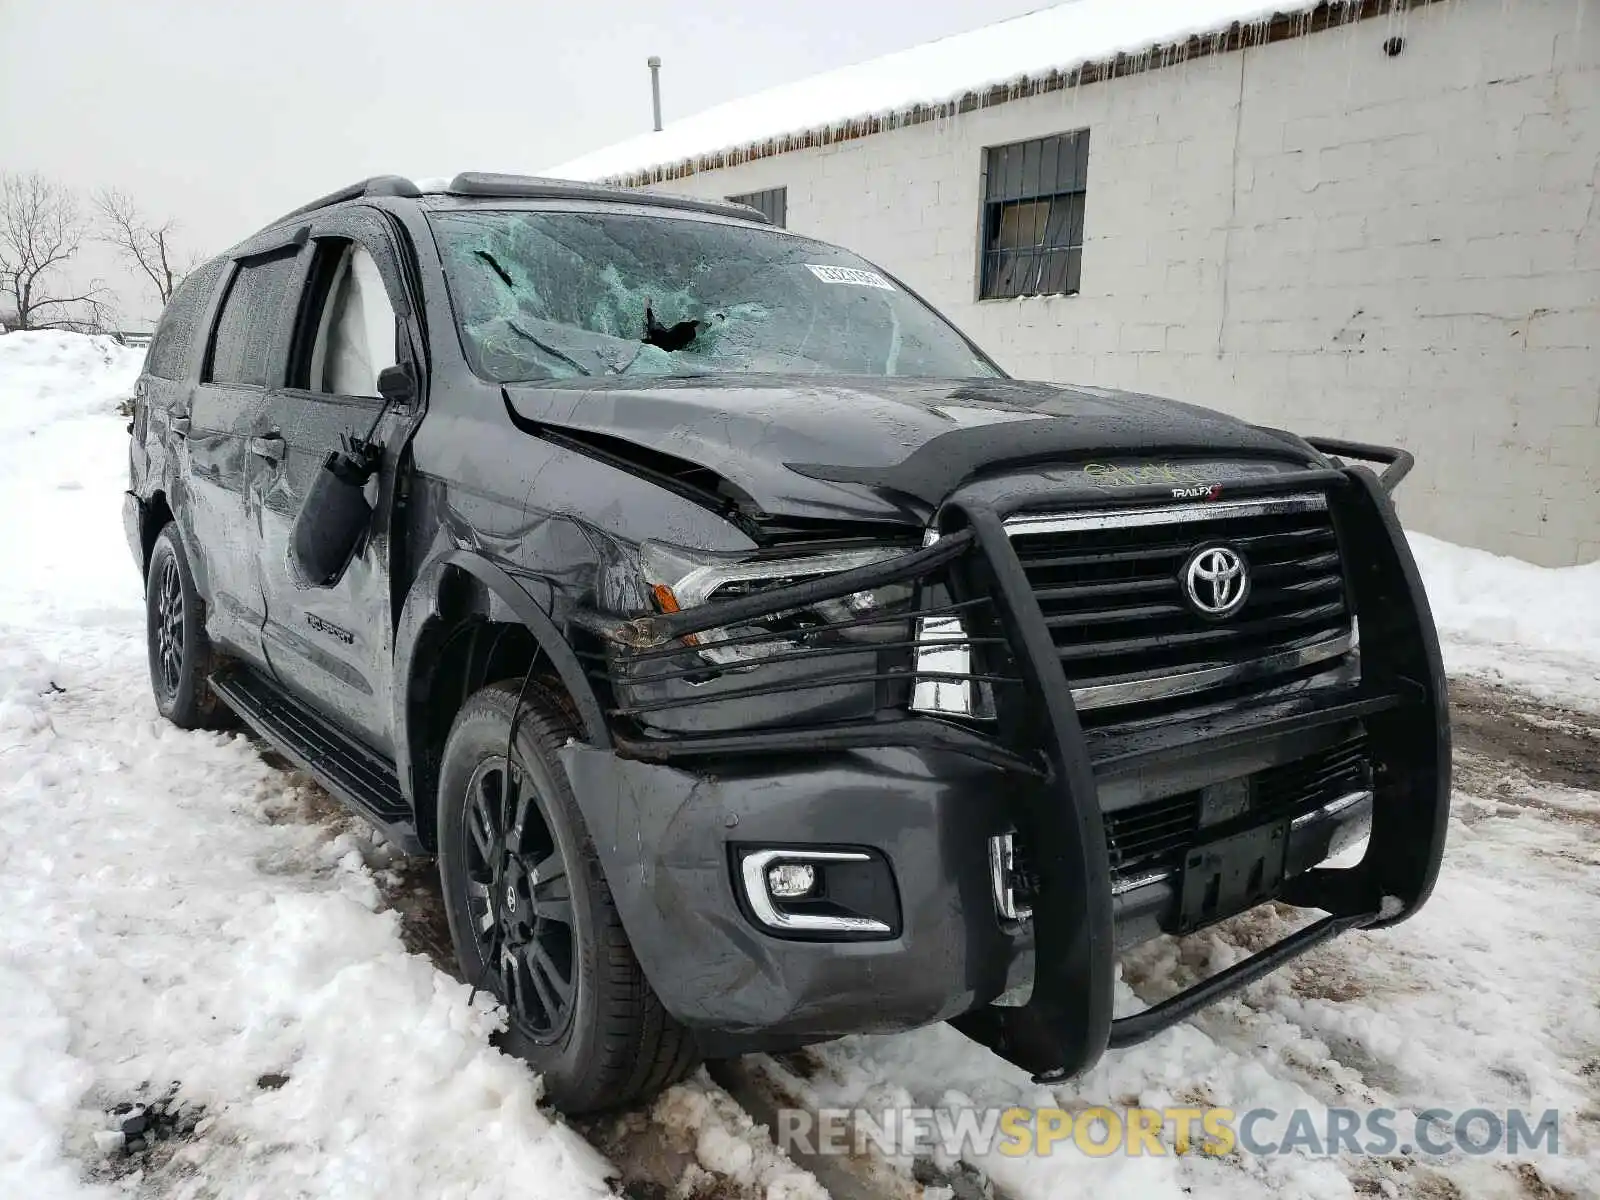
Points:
[[853, 275]]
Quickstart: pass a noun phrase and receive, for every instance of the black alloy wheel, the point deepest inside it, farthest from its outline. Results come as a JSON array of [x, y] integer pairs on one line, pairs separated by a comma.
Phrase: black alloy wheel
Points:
[[520, 900], [181, 658], [169, 628], [532, 917]]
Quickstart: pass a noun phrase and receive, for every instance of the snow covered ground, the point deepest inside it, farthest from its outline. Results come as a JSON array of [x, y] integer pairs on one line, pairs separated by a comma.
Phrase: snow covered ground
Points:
[[178, 917], [167, 917]]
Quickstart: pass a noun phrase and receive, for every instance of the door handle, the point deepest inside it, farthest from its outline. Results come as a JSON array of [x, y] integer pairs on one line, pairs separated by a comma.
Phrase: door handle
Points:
[[269, 447], [179, 424]]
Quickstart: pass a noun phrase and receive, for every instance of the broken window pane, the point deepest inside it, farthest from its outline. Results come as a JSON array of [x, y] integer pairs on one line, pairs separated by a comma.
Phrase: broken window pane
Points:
[[1033, 216]]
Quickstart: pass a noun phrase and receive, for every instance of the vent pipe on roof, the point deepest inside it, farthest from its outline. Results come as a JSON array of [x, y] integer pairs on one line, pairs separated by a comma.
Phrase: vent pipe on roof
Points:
[[654, 64]]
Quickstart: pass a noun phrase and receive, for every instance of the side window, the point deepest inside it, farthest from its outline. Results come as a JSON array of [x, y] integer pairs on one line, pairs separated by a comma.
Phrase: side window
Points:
[[168, 356], [248, 326], [349, 324]]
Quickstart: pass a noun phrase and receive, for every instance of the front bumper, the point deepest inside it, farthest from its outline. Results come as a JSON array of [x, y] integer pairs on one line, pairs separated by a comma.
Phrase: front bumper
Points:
[[668, 840], [930, 794]]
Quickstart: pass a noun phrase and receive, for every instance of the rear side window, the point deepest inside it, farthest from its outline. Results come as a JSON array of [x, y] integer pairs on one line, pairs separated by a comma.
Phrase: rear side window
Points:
[[248, 325], [168, 357]]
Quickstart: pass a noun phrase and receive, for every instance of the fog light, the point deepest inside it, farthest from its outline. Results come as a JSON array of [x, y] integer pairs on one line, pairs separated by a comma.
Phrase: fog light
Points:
[[790, 881], [826, 893]]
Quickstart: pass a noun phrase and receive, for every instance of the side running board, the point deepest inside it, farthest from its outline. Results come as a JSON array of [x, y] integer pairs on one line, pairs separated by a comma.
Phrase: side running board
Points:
[[361, 778]]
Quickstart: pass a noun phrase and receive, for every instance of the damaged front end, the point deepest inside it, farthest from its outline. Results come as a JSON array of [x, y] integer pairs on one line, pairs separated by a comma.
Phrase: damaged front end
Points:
[[964, 761], [811, 652]]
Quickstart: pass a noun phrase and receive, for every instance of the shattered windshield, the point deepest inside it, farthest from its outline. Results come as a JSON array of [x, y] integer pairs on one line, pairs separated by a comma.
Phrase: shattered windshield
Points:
[[559, 295]]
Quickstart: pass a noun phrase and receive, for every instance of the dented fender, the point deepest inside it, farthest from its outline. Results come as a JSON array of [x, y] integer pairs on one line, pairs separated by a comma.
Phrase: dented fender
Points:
[[509, 602]]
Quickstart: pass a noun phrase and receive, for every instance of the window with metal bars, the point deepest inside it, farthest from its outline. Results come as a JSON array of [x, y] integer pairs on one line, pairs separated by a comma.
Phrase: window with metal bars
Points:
[[774, 202], [1033, 194]]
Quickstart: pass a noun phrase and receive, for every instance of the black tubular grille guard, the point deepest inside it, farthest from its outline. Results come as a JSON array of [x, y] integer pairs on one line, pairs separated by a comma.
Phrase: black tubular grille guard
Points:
[[1067, 1023], [1396, 463], [654, 644]]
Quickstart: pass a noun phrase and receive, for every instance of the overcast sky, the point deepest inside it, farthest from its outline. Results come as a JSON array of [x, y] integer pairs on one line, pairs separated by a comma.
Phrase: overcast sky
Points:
[[226, 114]]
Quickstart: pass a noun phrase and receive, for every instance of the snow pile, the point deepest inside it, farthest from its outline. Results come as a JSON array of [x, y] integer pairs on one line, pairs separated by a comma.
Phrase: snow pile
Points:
[[1537, 628], [49, 375], [728, 1145], [1061, 38], [168, 919]]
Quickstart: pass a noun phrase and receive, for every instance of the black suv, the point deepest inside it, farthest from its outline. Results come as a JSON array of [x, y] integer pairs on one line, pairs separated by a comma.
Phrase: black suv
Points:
[[761, 662]]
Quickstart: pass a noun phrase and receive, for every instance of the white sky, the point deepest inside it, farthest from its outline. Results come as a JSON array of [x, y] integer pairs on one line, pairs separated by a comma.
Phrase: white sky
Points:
[[224, 114]]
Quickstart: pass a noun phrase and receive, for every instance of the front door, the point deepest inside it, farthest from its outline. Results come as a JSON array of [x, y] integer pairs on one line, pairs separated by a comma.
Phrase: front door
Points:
[[333, 646], [243, 355]]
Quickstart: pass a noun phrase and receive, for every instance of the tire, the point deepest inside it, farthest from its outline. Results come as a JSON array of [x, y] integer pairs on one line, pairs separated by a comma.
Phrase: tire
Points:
[[523, 909], [181, 657]]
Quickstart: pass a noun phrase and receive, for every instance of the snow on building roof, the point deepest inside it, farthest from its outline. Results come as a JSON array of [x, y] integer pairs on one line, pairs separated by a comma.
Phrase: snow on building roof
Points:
[[1058, 45]]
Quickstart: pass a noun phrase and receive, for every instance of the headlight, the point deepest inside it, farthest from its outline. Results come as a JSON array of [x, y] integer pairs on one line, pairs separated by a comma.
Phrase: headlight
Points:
[[681, 579]]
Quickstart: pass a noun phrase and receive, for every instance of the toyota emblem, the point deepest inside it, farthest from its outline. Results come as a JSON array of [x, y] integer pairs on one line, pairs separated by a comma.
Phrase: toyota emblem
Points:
[[1216, 581]]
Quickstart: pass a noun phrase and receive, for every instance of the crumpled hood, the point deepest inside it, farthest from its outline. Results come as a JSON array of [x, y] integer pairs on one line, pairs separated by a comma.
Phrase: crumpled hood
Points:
[[883, 448]]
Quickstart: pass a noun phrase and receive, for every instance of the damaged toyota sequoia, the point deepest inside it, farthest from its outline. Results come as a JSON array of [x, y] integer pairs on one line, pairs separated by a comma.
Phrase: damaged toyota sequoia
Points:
[[762, 663]]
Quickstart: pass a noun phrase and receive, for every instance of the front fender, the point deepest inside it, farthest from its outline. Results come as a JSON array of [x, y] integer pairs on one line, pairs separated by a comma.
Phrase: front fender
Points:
[[509, 602]]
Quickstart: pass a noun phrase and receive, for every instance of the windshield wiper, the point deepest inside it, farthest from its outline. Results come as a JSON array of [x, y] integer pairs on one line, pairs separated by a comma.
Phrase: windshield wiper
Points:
[[548, 348], [505, 278]]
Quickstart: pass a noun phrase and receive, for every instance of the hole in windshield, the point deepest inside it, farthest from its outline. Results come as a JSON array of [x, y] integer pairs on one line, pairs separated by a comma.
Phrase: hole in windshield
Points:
[[550, 296]]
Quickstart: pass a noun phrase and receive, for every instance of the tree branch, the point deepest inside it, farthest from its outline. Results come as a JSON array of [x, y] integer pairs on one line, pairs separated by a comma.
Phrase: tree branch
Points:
[[146, 246], [40, 231]]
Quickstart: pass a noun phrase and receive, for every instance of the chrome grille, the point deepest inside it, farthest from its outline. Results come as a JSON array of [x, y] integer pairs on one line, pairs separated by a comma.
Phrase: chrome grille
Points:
[[1109, 585]]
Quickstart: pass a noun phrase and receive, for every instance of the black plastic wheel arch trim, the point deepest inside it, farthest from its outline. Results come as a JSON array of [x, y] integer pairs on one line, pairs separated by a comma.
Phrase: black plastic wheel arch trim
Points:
[[545, 633], [422, 605]]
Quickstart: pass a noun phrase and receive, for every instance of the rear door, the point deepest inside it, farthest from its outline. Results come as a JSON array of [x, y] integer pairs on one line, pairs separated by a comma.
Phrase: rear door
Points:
[[334, 646], [165, 390], [243, 358]]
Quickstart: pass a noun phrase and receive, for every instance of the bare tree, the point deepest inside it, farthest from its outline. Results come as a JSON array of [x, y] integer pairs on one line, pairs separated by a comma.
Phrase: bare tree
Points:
[[40, 232], [147, 246]]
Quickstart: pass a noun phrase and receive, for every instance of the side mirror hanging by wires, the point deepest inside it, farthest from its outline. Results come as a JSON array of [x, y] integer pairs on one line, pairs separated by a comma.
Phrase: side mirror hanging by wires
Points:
[[336, 514]]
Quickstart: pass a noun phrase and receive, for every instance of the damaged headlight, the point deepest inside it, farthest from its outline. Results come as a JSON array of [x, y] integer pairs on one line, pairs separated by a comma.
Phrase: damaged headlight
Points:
[[682, 579]]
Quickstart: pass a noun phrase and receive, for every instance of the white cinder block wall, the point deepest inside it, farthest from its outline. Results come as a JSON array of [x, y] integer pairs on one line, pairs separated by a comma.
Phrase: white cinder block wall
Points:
[[1310, 234]]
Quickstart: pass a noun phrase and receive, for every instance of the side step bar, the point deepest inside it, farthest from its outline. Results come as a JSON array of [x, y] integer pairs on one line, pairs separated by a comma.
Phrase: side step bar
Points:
[[361, 778]]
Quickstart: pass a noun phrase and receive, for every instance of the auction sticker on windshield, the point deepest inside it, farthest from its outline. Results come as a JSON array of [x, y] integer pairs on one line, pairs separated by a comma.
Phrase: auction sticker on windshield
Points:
[[853, 275]]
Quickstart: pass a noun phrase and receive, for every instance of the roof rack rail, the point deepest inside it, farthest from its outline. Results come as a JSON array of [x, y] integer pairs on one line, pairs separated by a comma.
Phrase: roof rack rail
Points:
[[378, 185], [488, 184]]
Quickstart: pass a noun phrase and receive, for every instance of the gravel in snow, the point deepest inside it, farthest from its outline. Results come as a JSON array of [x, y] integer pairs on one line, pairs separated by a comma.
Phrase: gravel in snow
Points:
[[177, 933]]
